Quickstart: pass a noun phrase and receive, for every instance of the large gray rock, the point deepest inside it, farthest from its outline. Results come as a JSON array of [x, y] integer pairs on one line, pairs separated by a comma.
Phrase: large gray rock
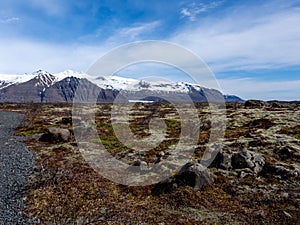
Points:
[[254, 104], [222, 159], [248, 159], [140, 166], [55, 135], [191, 174]]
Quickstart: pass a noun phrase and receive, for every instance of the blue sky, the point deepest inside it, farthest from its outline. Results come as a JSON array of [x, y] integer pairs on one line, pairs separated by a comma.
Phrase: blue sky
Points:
[[253, 47]]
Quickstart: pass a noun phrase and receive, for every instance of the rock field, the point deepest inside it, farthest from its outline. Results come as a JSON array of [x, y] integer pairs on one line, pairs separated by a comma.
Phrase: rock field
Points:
[[254, 177]]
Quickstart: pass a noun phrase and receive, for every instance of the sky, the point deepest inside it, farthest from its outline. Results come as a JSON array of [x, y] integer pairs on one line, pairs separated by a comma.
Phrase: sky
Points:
[[252, 47]]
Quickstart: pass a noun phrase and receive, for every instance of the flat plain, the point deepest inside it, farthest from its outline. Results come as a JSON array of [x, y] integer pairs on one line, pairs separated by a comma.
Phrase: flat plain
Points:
[[255, 175]]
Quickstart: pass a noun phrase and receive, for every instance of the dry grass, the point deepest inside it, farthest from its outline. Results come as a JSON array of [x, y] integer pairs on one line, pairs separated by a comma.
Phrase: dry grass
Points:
[[65, 190], [292, 131]]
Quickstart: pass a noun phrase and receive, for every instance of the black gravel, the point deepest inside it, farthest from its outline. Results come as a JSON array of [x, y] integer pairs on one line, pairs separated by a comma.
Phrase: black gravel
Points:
[[15, 165]]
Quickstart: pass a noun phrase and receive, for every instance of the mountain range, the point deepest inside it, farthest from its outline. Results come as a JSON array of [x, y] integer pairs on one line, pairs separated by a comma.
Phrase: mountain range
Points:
[[42, 86]]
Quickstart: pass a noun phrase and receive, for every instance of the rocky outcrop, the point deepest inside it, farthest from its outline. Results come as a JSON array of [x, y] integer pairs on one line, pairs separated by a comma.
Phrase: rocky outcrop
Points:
[[192, 174], [248, 159], [222, 159], [86, 91], [254, 104], [56, 135], [284, 171]]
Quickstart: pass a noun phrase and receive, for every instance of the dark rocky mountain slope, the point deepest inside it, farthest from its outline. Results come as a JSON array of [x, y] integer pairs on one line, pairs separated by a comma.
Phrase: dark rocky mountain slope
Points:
[[45, 87]]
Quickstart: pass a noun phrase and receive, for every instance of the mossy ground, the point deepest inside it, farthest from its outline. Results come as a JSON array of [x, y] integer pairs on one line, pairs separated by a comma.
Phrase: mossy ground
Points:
[[64, 189], [293, 131]]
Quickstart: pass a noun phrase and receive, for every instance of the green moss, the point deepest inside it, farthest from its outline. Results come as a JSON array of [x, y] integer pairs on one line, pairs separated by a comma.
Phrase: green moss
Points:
[[104, 126], [173, 128], [112, 144], [32, 131]]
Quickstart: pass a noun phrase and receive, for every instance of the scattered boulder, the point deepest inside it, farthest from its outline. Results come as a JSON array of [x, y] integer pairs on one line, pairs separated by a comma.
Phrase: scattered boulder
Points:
[[288, 153], [257, 143], [191, 174], [66, 120], [242, 173], [248, 159], [254, 104], [276, 105], [285, 153], [56, 135], [222, 159], [279, 170], [140, 166], [261, 123]]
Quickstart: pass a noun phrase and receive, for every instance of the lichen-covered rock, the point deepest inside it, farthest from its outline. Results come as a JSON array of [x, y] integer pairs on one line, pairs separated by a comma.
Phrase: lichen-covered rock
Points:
[[276, 104], [66, 120], [222, 159], [254, 104], [280, 170], [248, 159], [141, 166], [288, 153], [191, 174], [261, 124], [56, 135]]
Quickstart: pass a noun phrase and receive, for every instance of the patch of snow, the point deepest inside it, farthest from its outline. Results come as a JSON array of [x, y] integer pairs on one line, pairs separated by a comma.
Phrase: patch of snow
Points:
[[16, 78], [4, 84], [69, 73], [113, 82], [140, 101]]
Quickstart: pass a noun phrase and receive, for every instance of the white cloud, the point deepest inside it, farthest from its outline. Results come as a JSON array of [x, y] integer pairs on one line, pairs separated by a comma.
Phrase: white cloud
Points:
[[136, 30], [243, 39], [9, 20], [250, 88], [246, 41], [187, 13], [28, 55], [193, 10], [24, 56]]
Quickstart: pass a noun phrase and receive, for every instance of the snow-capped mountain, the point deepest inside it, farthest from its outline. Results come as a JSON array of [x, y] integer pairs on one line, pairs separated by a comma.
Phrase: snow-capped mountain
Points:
[[20, 89], [4, 84], [114, 82], [41, 76], [42, 86], [7, 80], [44, 79], [69, 73]]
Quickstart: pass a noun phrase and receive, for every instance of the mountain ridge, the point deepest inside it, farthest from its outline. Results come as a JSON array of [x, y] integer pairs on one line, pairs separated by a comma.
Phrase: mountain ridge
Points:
[[42, 86]]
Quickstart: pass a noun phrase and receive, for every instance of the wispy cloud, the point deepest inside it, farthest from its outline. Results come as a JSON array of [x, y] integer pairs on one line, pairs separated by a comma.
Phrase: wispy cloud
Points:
[[25, 56], [243, 37], [193, 10], [250, 88], [137, 30], [30, 55], [246, 41], [10, 20], [50, 7]]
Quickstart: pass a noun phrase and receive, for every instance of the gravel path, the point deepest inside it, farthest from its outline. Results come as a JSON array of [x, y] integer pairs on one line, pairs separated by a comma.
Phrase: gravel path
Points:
[[15, 164]]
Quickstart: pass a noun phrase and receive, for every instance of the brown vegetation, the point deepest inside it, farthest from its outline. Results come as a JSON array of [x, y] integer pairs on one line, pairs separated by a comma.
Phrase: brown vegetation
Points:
[[64, 189]]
